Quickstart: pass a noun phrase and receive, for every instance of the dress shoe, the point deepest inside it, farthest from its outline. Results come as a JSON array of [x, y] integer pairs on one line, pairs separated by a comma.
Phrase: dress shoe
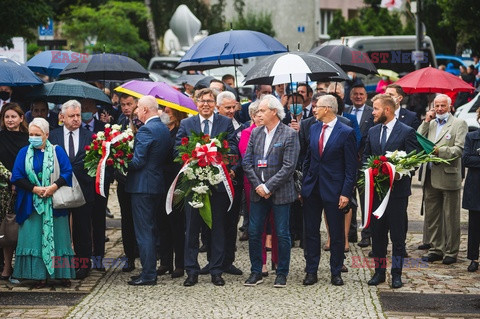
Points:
[[432, 257], [337, 280], [473, 266], [377, 278], [178, 272], [424, 247], [264, 273], [129, 266], [353, 238], [107, 239], [142, 282], [217, 280], [205, 270], [134, 277], [82, 273], [326, 248], [449, 260], [109, 213], [232, 270], [365, 242], [280, 281], [4, 277], [203, 249], [396, 281], [162, 270], [244, 236], [310, 279], [346, 250], [344, 268], [191, 280], [254, 279]]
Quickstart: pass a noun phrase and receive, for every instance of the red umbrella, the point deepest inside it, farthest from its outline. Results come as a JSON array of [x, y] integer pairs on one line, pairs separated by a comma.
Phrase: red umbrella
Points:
[[431, 80]]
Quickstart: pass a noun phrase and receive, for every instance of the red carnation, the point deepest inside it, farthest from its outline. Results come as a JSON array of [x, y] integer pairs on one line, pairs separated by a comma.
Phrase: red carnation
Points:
[[225, 144], [184, 140], [116, 155], [384, 169], [194, 153], [125, 140], [122, 162], [206, 138], [130, 137], [109, 162], [129, 156], [120, 153], [95, 142], [218, 158], [87, 147], [376, 162], [107, 131], [383, 158], [185, 157], [202, 162], [117, 144], [95, 147], [375, 172], [94, 136]]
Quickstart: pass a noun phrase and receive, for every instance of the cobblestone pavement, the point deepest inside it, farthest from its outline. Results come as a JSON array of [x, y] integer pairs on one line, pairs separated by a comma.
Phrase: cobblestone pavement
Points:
[[108, 295]]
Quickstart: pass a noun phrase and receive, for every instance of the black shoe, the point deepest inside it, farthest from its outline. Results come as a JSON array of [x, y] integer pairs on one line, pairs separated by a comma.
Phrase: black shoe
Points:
[[107, 239], [134, 277], [353, 238], [142, 282], [280, 281], [244, 236], [344, 268], [432, 257], [129, 266], [449, 260], [217, 280], [178, 272], [82, 273], [377, 278], [365, 242], [424, 247], [396, 281], [370, 254], [253, 280], [264, 273], [232, 270], [337, 280], [162, 270], [191, 280], [473, 266], [205, 270], [310, 279], [203, 249], [109, 213]]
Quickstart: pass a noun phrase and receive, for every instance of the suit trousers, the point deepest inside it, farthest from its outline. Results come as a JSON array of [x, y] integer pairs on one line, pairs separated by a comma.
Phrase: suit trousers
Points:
[[473, 234], [231, 223], [82, 230], [99, 224], [219, 203], [144, 211], [393, 220], [442, 216], [312, 214], [128, 231]]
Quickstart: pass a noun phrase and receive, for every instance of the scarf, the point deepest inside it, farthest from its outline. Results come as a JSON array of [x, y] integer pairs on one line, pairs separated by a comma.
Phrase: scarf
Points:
[[43, 205]]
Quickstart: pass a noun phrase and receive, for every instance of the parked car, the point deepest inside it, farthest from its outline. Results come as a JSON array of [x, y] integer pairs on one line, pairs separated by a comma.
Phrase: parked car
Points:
[[455, 61], [468, 113], [165, 66]]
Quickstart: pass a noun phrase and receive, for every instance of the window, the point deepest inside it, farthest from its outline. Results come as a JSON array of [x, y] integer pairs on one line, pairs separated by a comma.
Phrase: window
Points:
[[326, 16]]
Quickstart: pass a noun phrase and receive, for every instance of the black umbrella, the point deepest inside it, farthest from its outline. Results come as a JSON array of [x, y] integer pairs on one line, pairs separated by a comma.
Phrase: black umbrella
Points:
[[346, 58], [105, 66], [293, 67], [207, 65]]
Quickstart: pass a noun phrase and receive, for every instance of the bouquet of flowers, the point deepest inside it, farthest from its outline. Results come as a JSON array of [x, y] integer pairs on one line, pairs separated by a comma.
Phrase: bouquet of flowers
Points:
[[378, 175], [109, 148], [204, 160]]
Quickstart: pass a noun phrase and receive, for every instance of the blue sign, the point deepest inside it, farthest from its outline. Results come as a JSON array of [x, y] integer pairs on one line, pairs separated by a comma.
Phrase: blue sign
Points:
[[46, 30], [301, 28]]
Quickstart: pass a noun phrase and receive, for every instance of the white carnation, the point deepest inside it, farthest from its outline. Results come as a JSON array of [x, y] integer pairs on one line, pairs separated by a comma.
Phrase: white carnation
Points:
[[116, 127], [100, 135], [200, 189], [196, 204]]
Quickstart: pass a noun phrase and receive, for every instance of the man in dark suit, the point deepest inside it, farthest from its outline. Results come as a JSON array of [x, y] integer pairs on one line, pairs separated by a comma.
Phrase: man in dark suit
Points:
[[269, 164], [391, 135], [306, 91], [213, 124], [145, 182], [403, 115], [73, 138], [39, 108], [330, 170]]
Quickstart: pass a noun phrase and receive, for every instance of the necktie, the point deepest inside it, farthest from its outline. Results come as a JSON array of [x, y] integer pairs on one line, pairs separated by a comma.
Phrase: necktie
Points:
[[320, 141], [206, 128], [383, 140], [305, 113], [71, 146], [87, 127]]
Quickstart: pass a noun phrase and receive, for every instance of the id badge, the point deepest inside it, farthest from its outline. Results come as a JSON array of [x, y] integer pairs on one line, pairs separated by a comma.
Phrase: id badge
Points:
[[262, 163]]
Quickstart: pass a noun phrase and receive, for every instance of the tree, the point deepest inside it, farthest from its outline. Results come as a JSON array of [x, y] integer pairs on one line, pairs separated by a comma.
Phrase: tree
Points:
[[151, 29], [261, 22]]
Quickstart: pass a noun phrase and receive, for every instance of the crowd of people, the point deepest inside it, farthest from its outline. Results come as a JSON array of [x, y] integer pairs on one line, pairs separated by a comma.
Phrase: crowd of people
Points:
[[300, 156]]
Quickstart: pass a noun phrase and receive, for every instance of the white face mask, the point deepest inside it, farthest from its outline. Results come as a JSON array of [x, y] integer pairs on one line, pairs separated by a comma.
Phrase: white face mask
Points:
[[443, 116]]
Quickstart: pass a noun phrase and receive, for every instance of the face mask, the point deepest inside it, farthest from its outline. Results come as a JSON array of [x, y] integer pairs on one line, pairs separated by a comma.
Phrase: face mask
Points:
[[296, 109], [350, 77], [442, 117], [36, 141], [51, 106], [165, 118], [87, 116], [4, 95]]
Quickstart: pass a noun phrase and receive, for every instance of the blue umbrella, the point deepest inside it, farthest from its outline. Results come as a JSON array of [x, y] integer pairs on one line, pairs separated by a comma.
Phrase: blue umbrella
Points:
[[13, 73], [53, 62]]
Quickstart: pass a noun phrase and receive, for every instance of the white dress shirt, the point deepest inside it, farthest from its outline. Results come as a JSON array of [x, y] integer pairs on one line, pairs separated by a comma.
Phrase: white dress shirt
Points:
[[390, 126], [328, 131], [210, 123], [90, 125], [76, 139], [268, 141], [358, 112]]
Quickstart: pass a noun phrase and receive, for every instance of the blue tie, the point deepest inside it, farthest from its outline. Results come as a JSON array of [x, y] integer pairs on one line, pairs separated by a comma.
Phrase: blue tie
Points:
[[383, 140], [206, 128]]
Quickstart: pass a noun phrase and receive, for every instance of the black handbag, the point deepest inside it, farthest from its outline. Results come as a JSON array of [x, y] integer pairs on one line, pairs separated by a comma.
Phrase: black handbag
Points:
[[8, 231]]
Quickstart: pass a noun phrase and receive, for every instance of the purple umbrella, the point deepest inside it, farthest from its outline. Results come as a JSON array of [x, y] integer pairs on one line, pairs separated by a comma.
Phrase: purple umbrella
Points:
[[164, 93]]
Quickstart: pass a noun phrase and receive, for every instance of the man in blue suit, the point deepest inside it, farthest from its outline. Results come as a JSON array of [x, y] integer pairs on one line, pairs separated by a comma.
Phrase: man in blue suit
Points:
[[403, 115], [330, 170], [391, 135], [212, 124], [145, 181]]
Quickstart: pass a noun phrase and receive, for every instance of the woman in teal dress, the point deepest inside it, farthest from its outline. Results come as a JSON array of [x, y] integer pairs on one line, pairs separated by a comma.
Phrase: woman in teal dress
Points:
[[44, 249]]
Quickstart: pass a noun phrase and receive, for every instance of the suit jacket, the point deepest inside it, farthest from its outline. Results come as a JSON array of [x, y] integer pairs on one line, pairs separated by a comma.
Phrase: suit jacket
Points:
[[281, 159], [409, 118], [366, 122], [402, 138], [471, 159], [336, 169], [145, 171], [87, 183], [450, 141]]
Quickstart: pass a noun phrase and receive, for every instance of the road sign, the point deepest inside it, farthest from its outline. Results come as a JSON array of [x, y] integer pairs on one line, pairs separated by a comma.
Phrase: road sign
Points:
[[45, 32]]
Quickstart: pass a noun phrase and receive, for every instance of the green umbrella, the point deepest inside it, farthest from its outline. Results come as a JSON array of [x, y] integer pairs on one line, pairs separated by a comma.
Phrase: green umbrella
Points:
[[426, 144]]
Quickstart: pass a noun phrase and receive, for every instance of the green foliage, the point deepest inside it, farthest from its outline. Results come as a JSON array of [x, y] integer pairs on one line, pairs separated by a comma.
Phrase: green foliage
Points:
[[443, 36], [113, 25], [261, 22]]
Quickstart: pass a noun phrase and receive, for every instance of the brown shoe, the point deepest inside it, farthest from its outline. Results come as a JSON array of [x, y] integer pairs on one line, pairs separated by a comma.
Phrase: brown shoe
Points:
[[244, 236]]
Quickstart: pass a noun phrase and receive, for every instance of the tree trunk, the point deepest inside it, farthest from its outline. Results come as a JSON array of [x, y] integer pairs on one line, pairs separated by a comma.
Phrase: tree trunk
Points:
[[151, 29]]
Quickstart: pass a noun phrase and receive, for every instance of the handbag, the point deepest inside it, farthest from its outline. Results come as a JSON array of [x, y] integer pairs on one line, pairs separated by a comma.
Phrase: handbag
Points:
[[65, 196], [8, 231]]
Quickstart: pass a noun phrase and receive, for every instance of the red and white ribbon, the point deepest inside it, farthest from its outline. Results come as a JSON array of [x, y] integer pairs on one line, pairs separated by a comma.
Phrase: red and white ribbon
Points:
[[369, 192], [100, 178]]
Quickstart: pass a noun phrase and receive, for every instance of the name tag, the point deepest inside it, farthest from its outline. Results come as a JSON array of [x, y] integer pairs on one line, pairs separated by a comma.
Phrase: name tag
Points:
[[262, 163]]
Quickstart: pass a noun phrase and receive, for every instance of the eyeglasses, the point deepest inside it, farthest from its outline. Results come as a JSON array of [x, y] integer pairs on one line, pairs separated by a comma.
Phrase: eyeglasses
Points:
[[206, 101], [319, 106]]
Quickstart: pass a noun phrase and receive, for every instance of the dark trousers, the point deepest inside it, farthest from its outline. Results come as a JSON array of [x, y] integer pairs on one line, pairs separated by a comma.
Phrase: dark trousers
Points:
[[82, 230], [219, 203], [128, 231], [473, 234], [231, 223], [296, 221], [312, 214], [99, 224], [393, 220]]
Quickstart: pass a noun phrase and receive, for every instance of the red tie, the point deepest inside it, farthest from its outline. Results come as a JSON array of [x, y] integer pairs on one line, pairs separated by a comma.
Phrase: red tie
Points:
[[320, 141]]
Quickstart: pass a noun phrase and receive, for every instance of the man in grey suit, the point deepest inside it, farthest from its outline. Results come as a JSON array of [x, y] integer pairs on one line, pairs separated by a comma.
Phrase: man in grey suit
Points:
[[442, 182], [269, 164]]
